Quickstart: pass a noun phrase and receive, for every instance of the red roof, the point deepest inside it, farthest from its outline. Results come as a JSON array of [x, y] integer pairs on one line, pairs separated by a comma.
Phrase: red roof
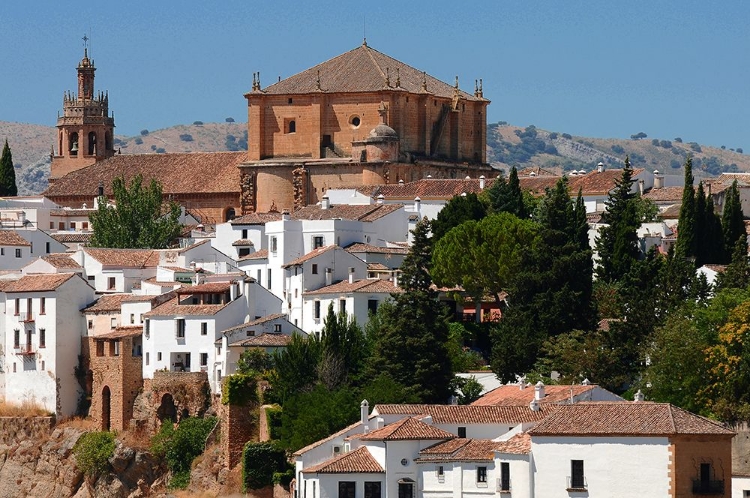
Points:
[[460, 450], [310, 255], [469, 414], [406, 429], [39, 283], [511, 395], [370, 285], [359, 461]]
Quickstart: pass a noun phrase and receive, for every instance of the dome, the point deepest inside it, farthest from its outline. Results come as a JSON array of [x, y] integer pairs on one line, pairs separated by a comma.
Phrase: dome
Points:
[[382, 131]]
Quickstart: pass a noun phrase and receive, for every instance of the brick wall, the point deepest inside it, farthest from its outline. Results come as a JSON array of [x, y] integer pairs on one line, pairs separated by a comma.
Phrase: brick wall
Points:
[[189, 390], [238, 426], [687, 454]]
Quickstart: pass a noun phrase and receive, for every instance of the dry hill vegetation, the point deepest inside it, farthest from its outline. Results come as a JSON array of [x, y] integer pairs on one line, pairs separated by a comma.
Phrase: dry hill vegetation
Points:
[[507, 145]]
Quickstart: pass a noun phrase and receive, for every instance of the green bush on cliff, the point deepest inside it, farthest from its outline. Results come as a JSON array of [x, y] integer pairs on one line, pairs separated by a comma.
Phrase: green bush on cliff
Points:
[[93, 450], [180, 446]]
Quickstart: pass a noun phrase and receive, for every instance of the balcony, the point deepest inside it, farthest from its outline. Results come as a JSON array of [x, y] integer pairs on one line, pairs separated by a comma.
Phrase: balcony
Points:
[[577, 483], [708, 487], [25, 350], [26, 317], [503, 487]]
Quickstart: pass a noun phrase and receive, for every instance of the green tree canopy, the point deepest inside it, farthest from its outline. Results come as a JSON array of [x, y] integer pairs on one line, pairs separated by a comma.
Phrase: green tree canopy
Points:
[[505, 196], [140, 218], [733, 222], [459, 209], [7, 173], [687, 239]]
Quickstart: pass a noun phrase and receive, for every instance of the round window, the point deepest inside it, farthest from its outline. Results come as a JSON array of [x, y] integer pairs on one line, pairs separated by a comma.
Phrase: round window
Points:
[[355, 121], [404, 462]]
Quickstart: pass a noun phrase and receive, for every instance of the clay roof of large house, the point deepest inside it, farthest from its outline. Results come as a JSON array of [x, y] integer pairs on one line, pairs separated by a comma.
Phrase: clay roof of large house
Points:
[[520, 444], [107, 304], [121, 332], [512, 394], [256, 218], [359, 461], [536, 171], [173, 308], [11, 238], [469, 414], [596, 183], [665, 194], [39, 283], [310, 255], [262, 254], [671, 213], [369, 285], [61, 261], [460, 450], [625, 418], [264, 340], [207, 288], [330, 438], [356, 212], [72, 237], [178, 173], [363, 69], [406, 429], [125, 258], [362, 247], [68, 212]]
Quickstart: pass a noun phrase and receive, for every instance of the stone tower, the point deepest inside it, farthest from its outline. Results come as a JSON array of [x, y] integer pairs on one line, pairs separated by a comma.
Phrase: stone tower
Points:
[[85, 130]]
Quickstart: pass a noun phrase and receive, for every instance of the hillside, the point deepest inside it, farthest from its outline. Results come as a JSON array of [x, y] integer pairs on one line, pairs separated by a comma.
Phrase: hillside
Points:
[[507, 145]]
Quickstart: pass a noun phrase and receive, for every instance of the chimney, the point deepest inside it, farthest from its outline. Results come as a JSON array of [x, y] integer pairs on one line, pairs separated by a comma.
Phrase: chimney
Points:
[[351, 275], [534, 405], [325, 203], [481, 182], [521, 384], [658, 179], [600, 167], [329, 276], [586, 382], [417, 204], [639, 396], [395, 279], [380, 199], [364, 414], [285, 215], [100, 191], [640, 186], [539, 391]]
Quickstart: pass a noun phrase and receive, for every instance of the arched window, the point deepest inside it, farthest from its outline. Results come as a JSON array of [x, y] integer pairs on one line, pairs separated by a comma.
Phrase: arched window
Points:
[[107, 141], [92, 143], [229, 214], [292, 126], [73, 144]]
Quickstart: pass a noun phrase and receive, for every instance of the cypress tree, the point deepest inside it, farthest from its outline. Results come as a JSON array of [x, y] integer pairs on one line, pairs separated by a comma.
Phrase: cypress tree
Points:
[[686, 229], [7, 173], [712, 237], [700, 227], [733, 223], [506, 196], [617, 243]]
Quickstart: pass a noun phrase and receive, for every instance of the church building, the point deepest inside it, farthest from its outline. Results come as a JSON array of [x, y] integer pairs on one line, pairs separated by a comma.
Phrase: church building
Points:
[[361, 118]]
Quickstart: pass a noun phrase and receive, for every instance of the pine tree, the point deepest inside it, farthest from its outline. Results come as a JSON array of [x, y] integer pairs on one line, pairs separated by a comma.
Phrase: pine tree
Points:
[[712, 237], [617, 243], [733, 223], [459, 209], [7, 173], [686, 227]]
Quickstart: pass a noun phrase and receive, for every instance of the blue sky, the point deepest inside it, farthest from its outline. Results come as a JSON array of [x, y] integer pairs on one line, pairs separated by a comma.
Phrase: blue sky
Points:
[[596, 68]]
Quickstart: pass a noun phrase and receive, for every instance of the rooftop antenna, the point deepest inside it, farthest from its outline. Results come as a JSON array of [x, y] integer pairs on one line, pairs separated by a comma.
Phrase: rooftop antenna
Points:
[[364, 29]]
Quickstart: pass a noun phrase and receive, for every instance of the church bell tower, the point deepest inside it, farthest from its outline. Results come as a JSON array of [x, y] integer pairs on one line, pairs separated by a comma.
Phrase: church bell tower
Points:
[[85, 130]]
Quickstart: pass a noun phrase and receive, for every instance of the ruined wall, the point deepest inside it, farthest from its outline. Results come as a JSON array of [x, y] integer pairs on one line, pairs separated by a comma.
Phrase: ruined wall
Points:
[[238, 426], [172, 395]]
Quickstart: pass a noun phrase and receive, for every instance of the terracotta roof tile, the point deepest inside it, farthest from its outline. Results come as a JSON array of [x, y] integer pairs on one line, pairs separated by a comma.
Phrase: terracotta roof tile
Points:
[[71, 212], [61, 261], [426, 188], [520, 444], [72, 237], [361, 247], [377, 267], [255, 323], [512, 394], [256, 218], [328, 439], [407, 429], [595, 183], [310, 255], [107, 304], [470, 414], [265, 340], [357, 212], [208, 288], [537, 171], [11, 238], [370, 285], [362, 70], [126, 258], [664, 194], [173, 308], [359, 461], [468, 450], [39, 283], [625, 418], [243, 243], [262, 254], [179, 173], [121, 332]]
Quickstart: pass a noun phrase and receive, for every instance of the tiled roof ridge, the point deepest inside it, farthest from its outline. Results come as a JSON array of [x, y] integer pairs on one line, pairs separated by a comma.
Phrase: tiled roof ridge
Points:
[[359, 460]]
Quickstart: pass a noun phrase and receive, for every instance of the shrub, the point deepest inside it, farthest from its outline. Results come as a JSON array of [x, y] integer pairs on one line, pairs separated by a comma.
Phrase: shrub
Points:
[[93, 450], [144, 132], [161, 150], [678, 140], [723, 147], [229, 120], [138, 141], [655, 142], [186, 137], [153, 147], [180, 446], [260, 461], [738, 150], [675, 164], [567, 135], [553, 135], [617, 149], [638, 136], [273, 418], [198, 123], [666, 144], [239, 390], [695, 147]]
